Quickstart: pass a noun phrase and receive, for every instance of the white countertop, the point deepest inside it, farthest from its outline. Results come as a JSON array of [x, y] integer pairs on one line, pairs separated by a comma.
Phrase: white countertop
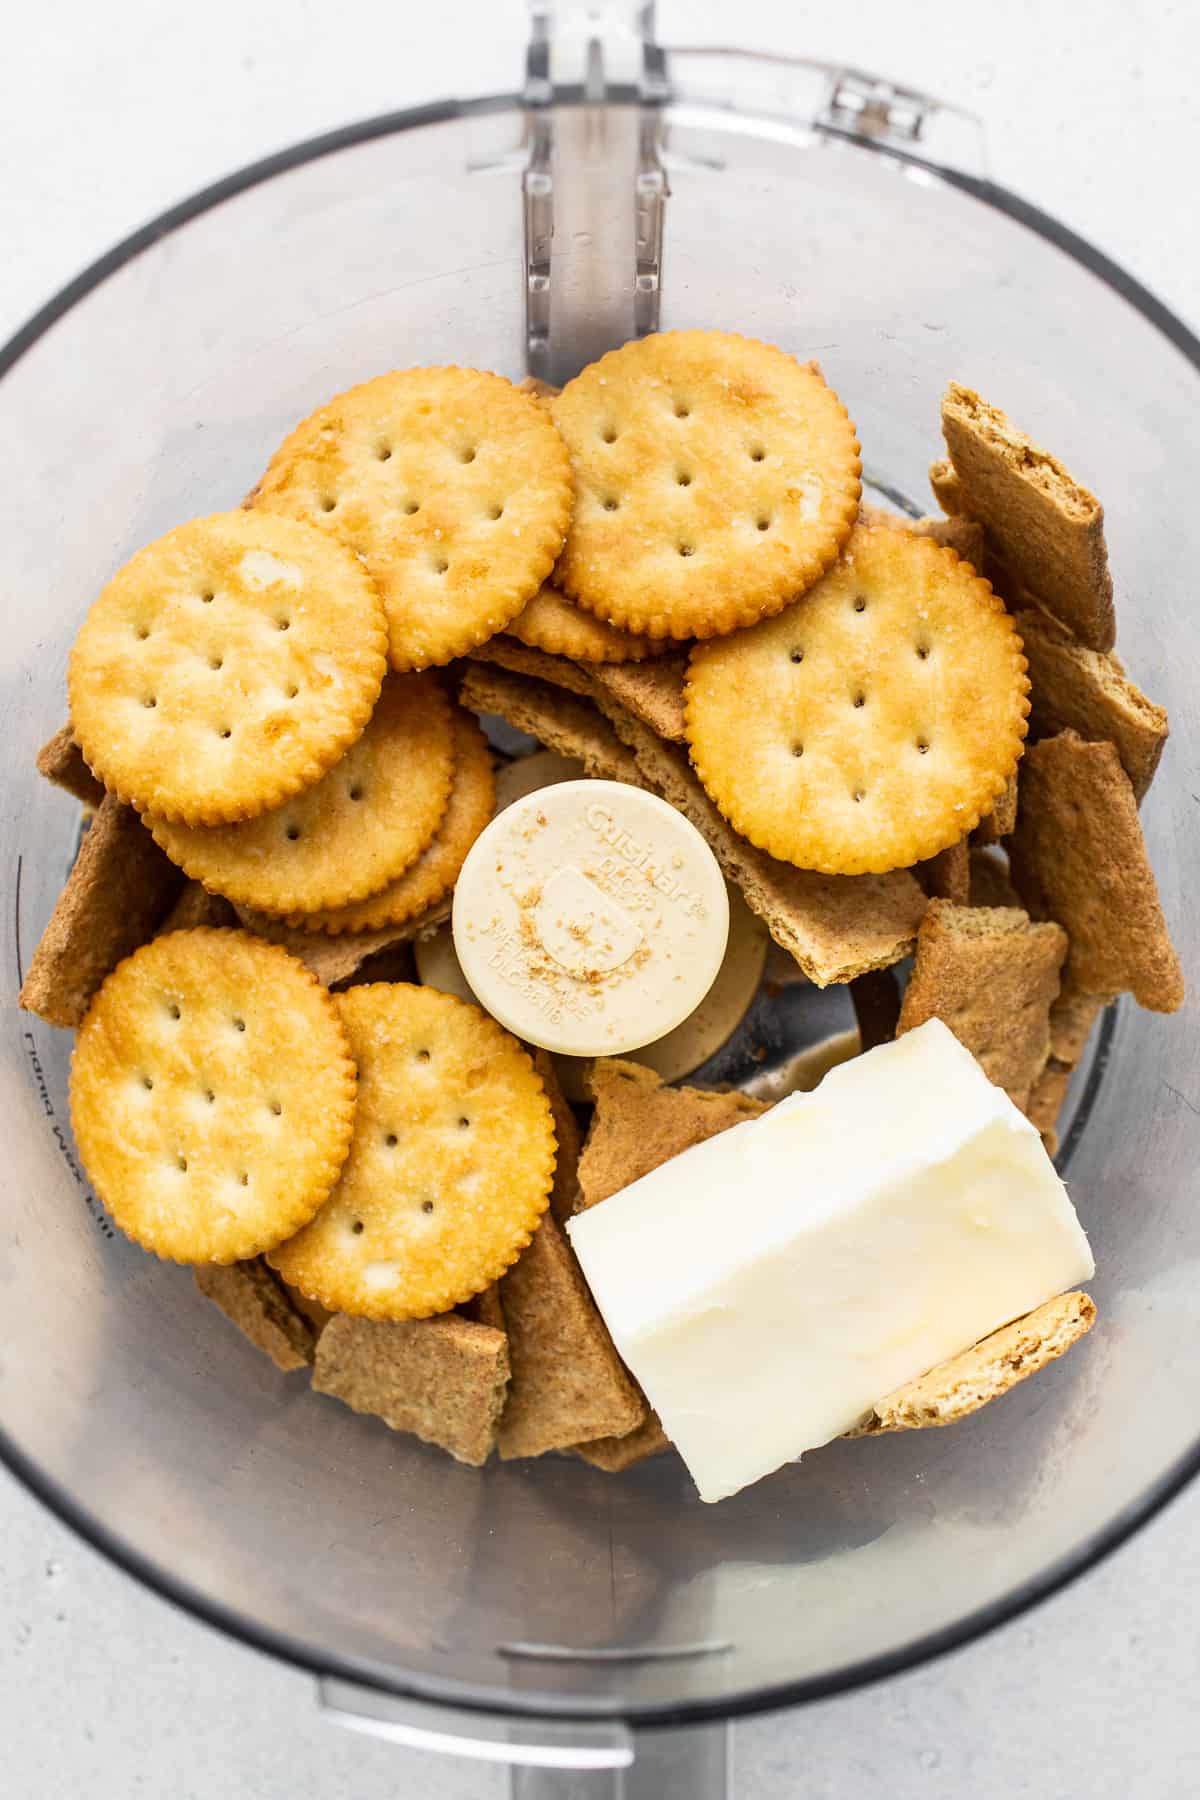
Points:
[[107, 115]]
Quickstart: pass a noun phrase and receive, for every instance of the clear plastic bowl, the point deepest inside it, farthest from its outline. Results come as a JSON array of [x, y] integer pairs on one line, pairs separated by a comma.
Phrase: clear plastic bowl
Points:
[[156, 388]]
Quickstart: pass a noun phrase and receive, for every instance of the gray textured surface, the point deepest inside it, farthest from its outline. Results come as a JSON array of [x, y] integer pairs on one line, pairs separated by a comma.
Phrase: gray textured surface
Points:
[[111, 114]]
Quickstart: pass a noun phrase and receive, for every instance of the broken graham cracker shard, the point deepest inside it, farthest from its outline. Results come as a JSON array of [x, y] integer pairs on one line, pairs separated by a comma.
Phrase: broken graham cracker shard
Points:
[[60, 760], [565, 722], [652, 692], [443, 1379], [249, 1294], [568, 1383], [638, 1124], [1048, 530], [965, 1383], [991, 976], [1074, 688], [1078, 856], [116, 894], [616, 1454]]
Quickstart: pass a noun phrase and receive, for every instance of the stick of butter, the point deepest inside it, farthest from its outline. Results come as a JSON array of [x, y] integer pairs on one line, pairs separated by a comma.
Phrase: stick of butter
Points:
[[769, 1286]]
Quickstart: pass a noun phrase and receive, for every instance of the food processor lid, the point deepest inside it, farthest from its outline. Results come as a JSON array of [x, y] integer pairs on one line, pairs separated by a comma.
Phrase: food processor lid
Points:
[[607, 120]]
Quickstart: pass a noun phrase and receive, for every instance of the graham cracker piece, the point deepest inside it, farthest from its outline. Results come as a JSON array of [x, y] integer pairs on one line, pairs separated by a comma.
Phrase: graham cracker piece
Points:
[[116, 894], [991, 976], [1083, 690], [1046, 1101], [652, 692], [1078, 856], [876, 1001], [568, 1383], [60, 760], [351, 956], [1047, 528], [317, 1315], [615, 1454], [507, 653], [1071, 1020], [947, 876], [639, 1123], [249, 1295], [442, 1379], [196, 906], [835, 926], [991, 883], [961, 1386], [999, 823], [562, 721], [947, 488], [565, 1191]]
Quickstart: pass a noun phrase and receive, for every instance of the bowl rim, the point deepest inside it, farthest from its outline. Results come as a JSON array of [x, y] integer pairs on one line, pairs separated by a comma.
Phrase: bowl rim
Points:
[[473, 1697]]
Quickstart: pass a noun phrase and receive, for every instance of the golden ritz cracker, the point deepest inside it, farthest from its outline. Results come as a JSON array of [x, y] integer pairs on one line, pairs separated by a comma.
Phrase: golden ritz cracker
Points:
[[226, 667], [715, 479], [451, 1165], [553, 623], [872, 723], [360, 827], [454, 489], [212, 1095], [433, 874]]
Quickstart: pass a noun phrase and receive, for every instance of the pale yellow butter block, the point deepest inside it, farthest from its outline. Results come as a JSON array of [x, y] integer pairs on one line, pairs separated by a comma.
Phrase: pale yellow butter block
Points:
[[768, 1287]]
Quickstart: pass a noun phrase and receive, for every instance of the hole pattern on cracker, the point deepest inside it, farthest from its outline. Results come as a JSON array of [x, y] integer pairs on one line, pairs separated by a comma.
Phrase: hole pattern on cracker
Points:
[[841, 755], [662, 425], [209, 742], [475, 471], [442, 1211]]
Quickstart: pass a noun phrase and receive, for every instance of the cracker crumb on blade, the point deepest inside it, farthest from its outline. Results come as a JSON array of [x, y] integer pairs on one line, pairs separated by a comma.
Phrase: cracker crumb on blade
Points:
[[116, 894], [1048, 529], [249, 1295], [1086, 691], [991, 976], [835, 926], [60, 760], [639, 1123], [961, 1386], [615, 1454], [1078, 856], [568, 1383], [443, 1380]]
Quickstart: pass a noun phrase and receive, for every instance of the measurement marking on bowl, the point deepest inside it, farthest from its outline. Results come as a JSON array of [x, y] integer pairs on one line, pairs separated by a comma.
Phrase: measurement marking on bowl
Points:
[[617, 1653]]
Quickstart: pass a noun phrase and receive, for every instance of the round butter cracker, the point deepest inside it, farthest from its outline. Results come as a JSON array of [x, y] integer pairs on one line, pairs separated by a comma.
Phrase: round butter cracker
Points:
[[356, 830], [875, 721], [226, 667], [716, 478], [552, 623], [212, 1095], [451, 1165], [453, 487]]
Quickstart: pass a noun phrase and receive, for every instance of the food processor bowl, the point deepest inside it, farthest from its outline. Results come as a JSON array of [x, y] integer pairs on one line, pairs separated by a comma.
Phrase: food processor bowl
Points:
[[542, 1611]]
